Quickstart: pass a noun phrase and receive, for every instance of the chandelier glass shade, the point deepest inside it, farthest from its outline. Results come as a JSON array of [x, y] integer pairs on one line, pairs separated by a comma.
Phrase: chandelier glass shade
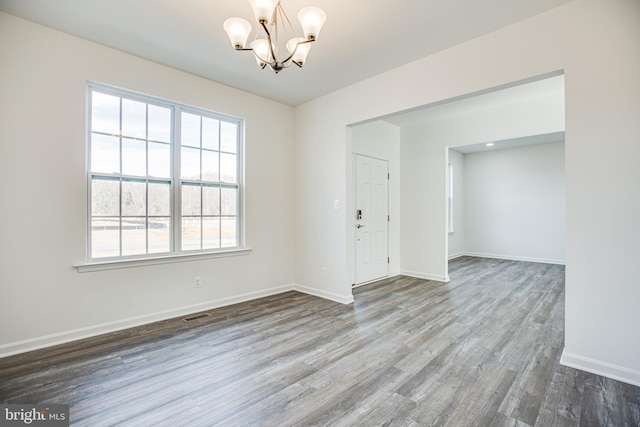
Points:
[[276, 28]]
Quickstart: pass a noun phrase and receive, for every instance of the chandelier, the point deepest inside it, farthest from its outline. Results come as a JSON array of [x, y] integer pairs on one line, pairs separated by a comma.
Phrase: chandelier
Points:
[[276, 25]]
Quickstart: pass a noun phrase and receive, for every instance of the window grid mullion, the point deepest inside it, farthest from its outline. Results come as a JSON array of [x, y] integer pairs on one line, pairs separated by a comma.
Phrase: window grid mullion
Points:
[[201, 189], [146, 215], [176, 167], [220, 184], [120, 216], [239, 172], [201, 216], [146, 186], [120, 180]]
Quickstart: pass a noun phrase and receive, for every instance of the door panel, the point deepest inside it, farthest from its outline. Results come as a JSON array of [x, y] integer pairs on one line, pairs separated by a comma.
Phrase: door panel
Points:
[[372, 226]]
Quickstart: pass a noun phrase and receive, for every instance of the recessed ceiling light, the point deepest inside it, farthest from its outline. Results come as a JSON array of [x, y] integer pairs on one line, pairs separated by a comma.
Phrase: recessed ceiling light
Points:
[[489, 144]]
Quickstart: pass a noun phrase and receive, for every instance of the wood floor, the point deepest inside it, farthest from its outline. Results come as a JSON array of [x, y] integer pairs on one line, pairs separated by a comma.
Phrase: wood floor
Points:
[[482, 350]]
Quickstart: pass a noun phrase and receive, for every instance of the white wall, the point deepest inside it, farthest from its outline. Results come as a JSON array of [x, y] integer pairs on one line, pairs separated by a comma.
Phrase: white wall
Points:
[[457, 237], [595, 42], [515, 203], [381, 140], [43, 299]]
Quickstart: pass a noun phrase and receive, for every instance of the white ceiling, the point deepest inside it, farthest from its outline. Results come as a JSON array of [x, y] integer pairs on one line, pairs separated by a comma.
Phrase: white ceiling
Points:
[[546, 138], [359, 40]]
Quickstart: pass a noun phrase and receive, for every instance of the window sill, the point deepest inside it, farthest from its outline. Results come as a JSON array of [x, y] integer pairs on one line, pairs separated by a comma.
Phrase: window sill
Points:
[[90, 266]]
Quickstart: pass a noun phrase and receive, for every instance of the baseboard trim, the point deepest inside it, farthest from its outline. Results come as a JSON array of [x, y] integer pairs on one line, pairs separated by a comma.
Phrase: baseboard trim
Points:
[[454, 256], [512, 258], [425, 276], [609, 370], [342, 299], [38, 343]]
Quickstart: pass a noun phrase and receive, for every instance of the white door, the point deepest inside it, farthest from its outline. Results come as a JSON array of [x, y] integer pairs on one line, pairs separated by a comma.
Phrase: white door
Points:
[[372, 219]]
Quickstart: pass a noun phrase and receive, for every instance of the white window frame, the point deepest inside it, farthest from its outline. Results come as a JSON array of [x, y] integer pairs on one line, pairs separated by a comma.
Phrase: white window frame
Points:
[[175, 253], [450, 199]]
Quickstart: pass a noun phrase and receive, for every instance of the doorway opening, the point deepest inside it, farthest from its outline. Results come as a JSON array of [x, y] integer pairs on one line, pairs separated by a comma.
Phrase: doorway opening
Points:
[[416, 144]]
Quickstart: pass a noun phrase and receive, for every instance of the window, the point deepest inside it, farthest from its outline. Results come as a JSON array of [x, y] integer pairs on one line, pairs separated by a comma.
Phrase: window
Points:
[[163, 178], [450, 199]]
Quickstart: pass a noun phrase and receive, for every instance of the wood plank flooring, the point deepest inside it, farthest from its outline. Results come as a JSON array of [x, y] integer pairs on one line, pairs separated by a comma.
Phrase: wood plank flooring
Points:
[[482, 350]]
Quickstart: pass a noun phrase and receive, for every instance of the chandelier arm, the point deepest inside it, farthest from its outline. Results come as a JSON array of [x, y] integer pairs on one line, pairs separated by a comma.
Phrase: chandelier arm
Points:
[[286, 18], [294, 52], [273, 54], [286, 22]]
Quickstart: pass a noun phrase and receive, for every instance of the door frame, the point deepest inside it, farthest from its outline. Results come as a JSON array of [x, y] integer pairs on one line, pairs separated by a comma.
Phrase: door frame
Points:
[[352, 222]]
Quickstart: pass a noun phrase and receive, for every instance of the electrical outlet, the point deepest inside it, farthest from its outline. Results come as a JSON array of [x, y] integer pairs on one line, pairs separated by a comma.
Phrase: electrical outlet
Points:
[[324, 271], [197, 282]]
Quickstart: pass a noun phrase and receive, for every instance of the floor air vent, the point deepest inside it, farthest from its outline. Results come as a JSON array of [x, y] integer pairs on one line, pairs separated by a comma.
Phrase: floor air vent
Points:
[[196, 317]]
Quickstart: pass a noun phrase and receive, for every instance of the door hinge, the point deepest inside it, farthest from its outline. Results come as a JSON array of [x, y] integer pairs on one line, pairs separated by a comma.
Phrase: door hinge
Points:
[[388, 218], [388, 260], [388, 176]]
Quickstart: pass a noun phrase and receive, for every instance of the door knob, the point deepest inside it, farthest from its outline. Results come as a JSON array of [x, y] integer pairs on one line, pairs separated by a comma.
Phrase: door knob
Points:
[[360, 226]]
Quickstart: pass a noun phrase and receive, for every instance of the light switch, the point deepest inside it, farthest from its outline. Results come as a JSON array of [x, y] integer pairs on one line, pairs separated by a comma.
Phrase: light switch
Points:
[[336, 204]]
